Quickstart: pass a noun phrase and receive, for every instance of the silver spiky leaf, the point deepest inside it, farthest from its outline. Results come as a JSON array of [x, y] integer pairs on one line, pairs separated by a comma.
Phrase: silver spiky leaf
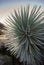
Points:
[[28, 35]]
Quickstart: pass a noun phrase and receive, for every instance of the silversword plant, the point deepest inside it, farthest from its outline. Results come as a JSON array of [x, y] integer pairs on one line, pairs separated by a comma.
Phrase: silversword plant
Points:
[[28, 35]]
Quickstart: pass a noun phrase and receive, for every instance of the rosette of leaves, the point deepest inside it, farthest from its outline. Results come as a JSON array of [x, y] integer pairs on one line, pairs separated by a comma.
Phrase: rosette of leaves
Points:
[[28, 35]]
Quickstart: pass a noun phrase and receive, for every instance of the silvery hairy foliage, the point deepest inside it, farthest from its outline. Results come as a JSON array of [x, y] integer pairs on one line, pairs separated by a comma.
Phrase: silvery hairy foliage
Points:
[[26, 35]]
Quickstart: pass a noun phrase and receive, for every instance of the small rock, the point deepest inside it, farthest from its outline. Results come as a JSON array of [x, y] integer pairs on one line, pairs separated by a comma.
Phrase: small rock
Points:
[[5, 60]]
